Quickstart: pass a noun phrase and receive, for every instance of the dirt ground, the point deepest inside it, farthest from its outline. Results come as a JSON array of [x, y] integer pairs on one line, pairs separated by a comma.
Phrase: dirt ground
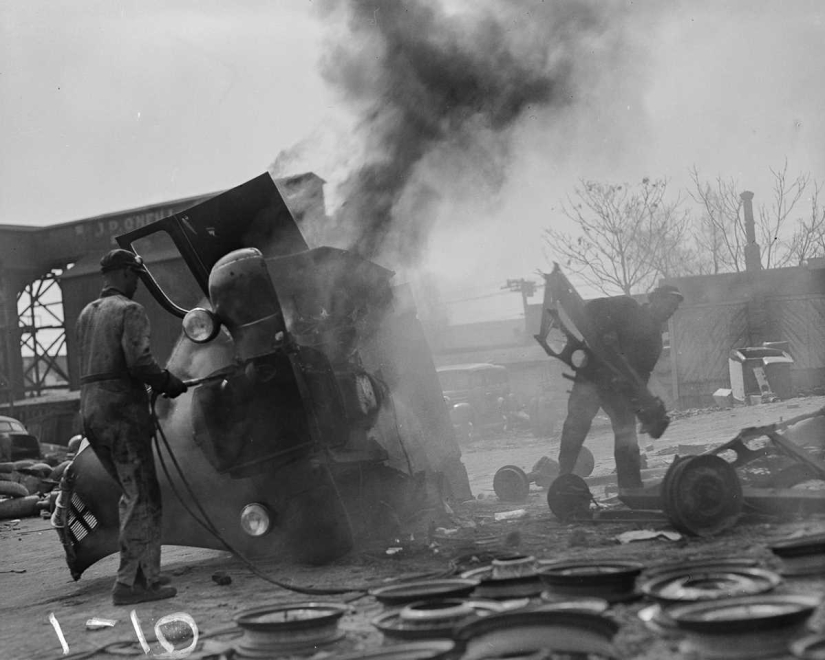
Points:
[[35, 583]]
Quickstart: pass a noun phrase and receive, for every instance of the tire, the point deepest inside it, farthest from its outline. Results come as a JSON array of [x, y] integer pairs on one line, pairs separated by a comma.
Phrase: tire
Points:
[[13, 489], [58, 471], [42, 470], [74, 444], [19, 507]]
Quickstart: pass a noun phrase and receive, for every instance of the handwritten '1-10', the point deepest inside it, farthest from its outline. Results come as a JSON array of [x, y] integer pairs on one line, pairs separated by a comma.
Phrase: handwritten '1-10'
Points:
[[171, 652]]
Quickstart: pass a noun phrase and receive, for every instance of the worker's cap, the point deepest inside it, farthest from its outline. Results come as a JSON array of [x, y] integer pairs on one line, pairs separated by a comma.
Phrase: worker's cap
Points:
[[117, 259], [666, 290]]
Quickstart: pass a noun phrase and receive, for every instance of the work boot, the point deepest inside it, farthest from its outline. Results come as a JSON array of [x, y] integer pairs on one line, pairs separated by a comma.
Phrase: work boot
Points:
[[162, 580], [628, 468], [125, 595]]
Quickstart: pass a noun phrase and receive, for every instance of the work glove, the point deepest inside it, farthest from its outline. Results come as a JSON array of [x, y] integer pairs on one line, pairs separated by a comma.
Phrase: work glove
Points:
[[174, 386]]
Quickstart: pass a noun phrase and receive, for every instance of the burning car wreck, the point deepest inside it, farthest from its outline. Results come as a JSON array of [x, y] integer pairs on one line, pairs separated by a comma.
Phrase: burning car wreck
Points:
[[314, 417]]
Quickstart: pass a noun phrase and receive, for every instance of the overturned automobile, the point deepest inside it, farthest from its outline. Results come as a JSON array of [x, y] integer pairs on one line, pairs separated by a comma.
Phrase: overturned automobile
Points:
[[314, 418]]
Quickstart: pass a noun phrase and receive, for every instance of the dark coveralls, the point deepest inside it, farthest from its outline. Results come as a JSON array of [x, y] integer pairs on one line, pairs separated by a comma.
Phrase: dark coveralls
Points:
[[632, 330], [117, 364]]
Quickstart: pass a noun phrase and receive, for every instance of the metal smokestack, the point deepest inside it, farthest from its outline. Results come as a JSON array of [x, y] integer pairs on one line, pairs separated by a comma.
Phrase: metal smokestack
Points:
[[755, 309], [753, 259]]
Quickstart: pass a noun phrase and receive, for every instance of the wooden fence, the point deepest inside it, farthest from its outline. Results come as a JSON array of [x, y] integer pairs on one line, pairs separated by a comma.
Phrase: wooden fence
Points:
[[702, 336]]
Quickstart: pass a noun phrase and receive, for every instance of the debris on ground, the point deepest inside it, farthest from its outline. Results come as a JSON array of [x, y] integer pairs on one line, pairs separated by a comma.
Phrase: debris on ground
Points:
[[470, 540], [510, 515], [221, 579], [446, 532], [96, 623], [579, 538], [648, 534]]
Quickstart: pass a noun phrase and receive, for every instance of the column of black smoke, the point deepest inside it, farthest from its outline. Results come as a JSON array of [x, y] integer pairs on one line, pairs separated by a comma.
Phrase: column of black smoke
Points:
[[428, 80], [439, 92]]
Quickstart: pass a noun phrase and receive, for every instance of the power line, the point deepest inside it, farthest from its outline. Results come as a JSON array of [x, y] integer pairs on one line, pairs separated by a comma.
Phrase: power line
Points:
[[488, 295], [525, 287]]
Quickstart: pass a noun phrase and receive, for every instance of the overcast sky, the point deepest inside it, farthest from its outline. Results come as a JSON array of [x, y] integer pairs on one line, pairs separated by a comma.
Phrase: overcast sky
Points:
[[109, 105]]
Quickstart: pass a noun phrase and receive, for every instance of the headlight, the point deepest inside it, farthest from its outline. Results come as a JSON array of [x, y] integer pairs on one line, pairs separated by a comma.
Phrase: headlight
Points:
[[255, 519], [201, 325]]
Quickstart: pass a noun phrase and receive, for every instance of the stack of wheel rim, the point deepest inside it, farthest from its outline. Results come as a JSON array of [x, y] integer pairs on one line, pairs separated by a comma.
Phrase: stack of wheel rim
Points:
[[287, 628], [534, 633], [701, 495]]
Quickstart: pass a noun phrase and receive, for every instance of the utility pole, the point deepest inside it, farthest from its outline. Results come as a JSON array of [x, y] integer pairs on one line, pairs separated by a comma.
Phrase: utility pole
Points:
[[526, 288]]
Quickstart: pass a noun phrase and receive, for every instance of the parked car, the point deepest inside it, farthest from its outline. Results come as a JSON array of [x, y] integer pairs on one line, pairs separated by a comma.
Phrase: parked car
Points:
[[477, 396], [16, 443]]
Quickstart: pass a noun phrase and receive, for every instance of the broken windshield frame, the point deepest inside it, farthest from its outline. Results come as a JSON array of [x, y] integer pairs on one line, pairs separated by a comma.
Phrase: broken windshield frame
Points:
[[172, 227]]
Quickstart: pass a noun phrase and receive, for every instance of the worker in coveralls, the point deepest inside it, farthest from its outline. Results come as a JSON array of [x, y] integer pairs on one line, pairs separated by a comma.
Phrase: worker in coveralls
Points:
[[116, 364], [635, 331]]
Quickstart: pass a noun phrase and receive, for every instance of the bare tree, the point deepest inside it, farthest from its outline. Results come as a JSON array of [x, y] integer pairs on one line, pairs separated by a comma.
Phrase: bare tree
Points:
[[628, 236], [720, 231], [809, 238], [671, 249], [784, 239], [773, 217], [625, 235]]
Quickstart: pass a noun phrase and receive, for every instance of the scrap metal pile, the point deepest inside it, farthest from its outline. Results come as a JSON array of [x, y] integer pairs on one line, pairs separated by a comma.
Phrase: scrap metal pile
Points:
[[524, 607], [777, 469], [763, 469]]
